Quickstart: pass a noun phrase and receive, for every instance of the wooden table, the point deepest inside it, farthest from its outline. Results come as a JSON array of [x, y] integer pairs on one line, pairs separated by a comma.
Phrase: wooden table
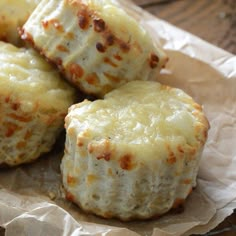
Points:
[[213, 21]]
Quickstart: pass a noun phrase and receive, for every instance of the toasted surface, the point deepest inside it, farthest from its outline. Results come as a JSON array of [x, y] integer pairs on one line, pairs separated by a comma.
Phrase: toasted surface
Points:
[[34, 100], [13, 14], [134, 154], [96, 44]]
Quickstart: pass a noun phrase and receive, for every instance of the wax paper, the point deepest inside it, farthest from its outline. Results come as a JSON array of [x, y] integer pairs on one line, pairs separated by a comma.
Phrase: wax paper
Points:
[[32, 200]]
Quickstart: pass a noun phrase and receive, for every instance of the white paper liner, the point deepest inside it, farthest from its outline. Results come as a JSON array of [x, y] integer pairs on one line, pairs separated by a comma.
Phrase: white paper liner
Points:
[[202, 70]]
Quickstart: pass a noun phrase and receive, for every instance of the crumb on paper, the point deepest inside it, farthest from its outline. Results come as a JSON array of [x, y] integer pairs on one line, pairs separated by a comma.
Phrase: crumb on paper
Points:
[[52, 195]]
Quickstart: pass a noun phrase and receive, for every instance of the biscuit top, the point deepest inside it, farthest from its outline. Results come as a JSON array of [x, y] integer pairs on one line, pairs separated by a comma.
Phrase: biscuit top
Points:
[[145, 114], [14, 13], [30, 79]]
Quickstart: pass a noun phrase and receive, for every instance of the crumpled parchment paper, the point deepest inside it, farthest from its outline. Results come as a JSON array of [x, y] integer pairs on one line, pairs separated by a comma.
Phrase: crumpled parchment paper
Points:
[[31, 196]]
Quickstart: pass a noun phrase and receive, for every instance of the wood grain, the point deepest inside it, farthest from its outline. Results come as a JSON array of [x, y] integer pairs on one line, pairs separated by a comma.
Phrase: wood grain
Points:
[[212, 20]]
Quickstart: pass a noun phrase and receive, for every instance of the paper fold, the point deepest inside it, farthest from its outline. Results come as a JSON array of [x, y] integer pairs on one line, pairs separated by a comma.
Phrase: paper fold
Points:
[[202, 70]]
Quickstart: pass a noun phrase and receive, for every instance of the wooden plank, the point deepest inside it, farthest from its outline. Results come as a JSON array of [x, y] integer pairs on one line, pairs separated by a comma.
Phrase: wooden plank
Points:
[[212, 20]]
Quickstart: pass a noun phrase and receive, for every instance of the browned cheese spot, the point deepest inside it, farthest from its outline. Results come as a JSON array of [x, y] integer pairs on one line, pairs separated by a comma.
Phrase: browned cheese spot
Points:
[[108, 214], [26, 36], [20, 156], [110, 62], [27, 135], [76, 70], [11, 128], [55, 23], [109, 39], [99, 25], [70, 35], [90, 148], [180, 149], [201, 131], [153, 61], [125, 47], [20, 118], [92, 79], [71, 131], [105, 156], [205, 134], [62, 48], [166, 88], [83, 17], [69, 196], [50, 120], [21, 144], [178, 202], [192, 151], [15, 106], [62, 114], [80, 142], [187, 181], [112, 77], [126, 162], [190, 190], [45, 24], [101, 149], [171, 159], [58, 61], [100, 47], [7, 99], [91, 178], [71, 180], [197, 106], [117, 57], [106, 88]]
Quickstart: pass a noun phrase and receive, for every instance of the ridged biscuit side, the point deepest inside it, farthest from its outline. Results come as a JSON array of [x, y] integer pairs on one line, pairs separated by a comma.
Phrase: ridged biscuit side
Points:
[[135, 154], [25, 135]]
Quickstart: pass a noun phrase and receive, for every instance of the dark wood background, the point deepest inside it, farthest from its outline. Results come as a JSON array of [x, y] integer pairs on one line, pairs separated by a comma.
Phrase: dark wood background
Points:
[[213, 21]]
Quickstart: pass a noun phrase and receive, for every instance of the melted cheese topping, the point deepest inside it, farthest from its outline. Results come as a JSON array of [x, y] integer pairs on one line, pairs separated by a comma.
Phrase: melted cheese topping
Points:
[[28, 77], [142, 113]]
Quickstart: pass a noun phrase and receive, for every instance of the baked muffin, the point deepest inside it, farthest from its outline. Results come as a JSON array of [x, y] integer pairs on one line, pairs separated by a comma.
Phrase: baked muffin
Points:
[[33, 103], [96, 44], [13, 14], [135, 154]]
